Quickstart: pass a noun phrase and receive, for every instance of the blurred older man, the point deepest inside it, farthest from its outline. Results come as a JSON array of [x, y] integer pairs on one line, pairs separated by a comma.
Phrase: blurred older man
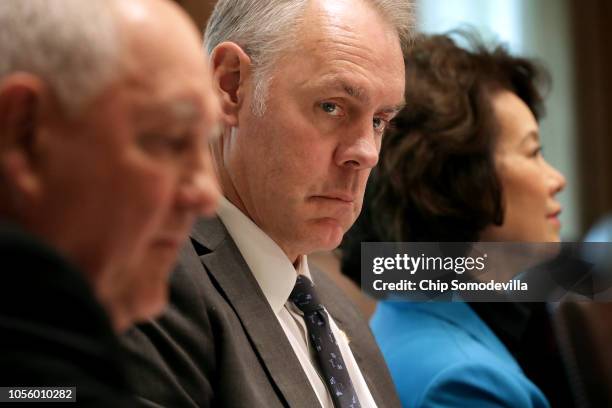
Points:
[[308, 87], [105, 106]]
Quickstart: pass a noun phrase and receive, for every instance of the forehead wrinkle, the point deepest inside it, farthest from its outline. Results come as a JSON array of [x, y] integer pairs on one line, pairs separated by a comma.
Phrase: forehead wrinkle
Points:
[[339, 54], [336, 26], [354, 57], [343, 51], [349, 48]]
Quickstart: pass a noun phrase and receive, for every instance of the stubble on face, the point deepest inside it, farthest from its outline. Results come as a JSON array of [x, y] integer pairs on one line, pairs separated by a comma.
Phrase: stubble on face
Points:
[[299, 172]]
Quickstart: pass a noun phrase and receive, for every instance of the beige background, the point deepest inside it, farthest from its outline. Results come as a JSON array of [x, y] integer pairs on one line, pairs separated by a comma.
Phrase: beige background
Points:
[[198, 9]]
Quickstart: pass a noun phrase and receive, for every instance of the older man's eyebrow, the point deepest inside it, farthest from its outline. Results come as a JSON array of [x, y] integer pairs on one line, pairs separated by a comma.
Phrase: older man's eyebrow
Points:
[[393, 110], [185, 110], [337, 84], [355, 92], [341, 85]]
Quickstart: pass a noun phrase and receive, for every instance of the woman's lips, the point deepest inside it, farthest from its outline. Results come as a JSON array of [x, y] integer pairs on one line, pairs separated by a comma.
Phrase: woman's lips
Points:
[[553, 218]]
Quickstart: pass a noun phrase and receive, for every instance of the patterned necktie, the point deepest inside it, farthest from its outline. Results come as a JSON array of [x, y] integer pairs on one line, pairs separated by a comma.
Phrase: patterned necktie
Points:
[[330, 360]]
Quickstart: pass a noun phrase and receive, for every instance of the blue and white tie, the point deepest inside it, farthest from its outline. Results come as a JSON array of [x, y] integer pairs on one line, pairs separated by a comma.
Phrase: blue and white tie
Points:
[[322, 339]]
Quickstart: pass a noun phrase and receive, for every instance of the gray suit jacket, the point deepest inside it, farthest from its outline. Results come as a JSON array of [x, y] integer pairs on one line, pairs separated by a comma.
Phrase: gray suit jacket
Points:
[[220, 344]]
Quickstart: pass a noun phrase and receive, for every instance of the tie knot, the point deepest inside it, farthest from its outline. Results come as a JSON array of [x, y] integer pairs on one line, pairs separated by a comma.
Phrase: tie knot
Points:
[[304, 296]]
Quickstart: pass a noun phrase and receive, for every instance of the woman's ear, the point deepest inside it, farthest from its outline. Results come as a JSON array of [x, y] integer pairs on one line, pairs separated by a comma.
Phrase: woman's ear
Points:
[[230, 66], [20, 101]]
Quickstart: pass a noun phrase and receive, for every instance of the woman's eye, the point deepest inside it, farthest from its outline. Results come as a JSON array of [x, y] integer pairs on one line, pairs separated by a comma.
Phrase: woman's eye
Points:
[[331, 108]]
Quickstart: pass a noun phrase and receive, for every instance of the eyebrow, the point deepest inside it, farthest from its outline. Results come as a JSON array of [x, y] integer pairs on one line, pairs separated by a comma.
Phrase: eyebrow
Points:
[[185, 110], [189, 111], [394, 110], [340, 84]]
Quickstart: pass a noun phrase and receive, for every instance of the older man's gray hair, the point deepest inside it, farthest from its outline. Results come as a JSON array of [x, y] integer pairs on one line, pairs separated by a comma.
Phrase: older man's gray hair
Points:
[[72, 45], [266, 28]]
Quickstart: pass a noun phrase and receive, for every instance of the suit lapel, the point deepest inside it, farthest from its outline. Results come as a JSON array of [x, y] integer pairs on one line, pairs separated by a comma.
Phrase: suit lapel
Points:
[[228, 268]]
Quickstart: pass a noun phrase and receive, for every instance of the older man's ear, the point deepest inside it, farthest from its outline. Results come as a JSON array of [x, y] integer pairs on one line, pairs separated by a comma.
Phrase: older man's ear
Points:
[[21, 96], [231, 69]]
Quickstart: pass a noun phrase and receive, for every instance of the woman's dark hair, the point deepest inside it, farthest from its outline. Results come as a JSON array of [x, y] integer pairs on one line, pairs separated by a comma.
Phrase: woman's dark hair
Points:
[[436, 180]]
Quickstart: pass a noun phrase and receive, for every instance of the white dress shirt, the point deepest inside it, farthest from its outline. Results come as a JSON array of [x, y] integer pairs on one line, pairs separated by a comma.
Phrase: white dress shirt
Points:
[[276, 277]]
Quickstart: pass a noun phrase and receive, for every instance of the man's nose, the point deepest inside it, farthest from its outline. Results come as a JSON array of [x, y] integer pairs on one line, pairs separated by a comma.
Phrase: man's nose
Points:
[[360, 150], [199, 190]]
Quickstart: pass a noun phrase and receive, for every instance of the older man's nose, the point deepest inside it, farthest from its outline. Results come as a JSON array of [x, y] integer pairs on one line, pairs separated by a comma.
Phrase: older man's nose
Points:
[[199, 190], [358, 152]]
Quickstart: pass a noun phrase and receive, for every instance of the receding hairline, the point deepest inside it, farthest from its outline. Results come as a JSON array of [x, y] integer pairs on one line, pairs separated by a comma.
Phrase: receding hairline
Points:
[[134, 20], [373, 5], [275, 33], [324, 19], [315, 12]]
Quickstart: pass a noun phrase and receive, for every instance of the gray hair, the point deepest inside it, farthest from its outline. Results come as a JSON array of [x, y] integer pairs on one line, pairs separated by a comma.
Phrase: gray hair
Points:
[[70, 44], [265, 28]]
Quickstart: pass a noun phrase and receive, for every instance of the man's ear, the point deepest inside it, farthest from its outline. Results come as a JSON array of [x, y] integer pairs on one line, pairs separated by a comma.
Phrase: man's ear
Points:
[[230, 65], [20, 99]]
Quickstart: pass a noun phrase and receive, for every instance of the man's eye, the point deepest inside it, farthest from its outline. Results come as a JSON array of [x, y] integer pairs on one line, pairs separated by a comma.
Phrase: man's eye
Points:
[[379, 124], [331, 108], [163, 142], [178, 145]]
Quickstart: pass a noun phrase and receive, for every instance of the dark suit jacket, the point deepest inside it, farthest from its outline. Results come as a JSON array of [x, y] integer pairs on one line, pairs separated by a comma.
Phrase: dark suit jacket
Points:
[[53, 332], [220, 344]]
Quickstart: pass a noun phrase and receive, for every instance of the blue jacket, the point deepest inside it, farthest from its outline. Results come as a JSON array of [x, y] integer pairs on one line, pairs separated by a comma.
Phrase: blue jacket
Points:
[[444, 355]]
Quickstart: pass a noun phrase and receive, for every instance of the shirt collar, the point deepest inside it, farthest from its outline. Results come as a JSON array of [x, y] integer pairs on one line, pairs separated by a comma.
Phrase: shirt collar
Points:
[[271, 268]]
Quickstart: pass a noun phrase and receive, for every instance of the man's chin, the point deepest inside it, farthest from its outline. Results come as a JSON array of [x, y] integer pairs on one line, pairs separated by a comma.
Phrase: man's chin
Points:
[[148, 293], [150, 306], [330, 232]]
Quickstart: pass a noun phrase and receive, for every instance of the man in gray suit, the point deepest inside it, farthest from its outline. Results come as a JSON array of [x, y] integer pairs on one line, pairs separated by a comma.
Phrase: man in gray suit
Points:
[[307, 87]]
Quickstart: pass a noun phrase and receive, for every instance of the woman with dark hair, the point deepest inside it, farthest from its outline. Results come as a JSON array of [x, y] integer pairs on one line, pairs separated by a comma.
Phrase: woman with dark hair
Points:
[[462, 163]]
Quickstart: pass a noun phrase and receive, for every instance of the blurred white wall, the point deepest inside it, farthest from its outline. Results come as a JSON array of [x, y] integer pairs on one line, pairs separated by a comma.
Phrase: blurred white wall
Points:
[[537, 29]]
